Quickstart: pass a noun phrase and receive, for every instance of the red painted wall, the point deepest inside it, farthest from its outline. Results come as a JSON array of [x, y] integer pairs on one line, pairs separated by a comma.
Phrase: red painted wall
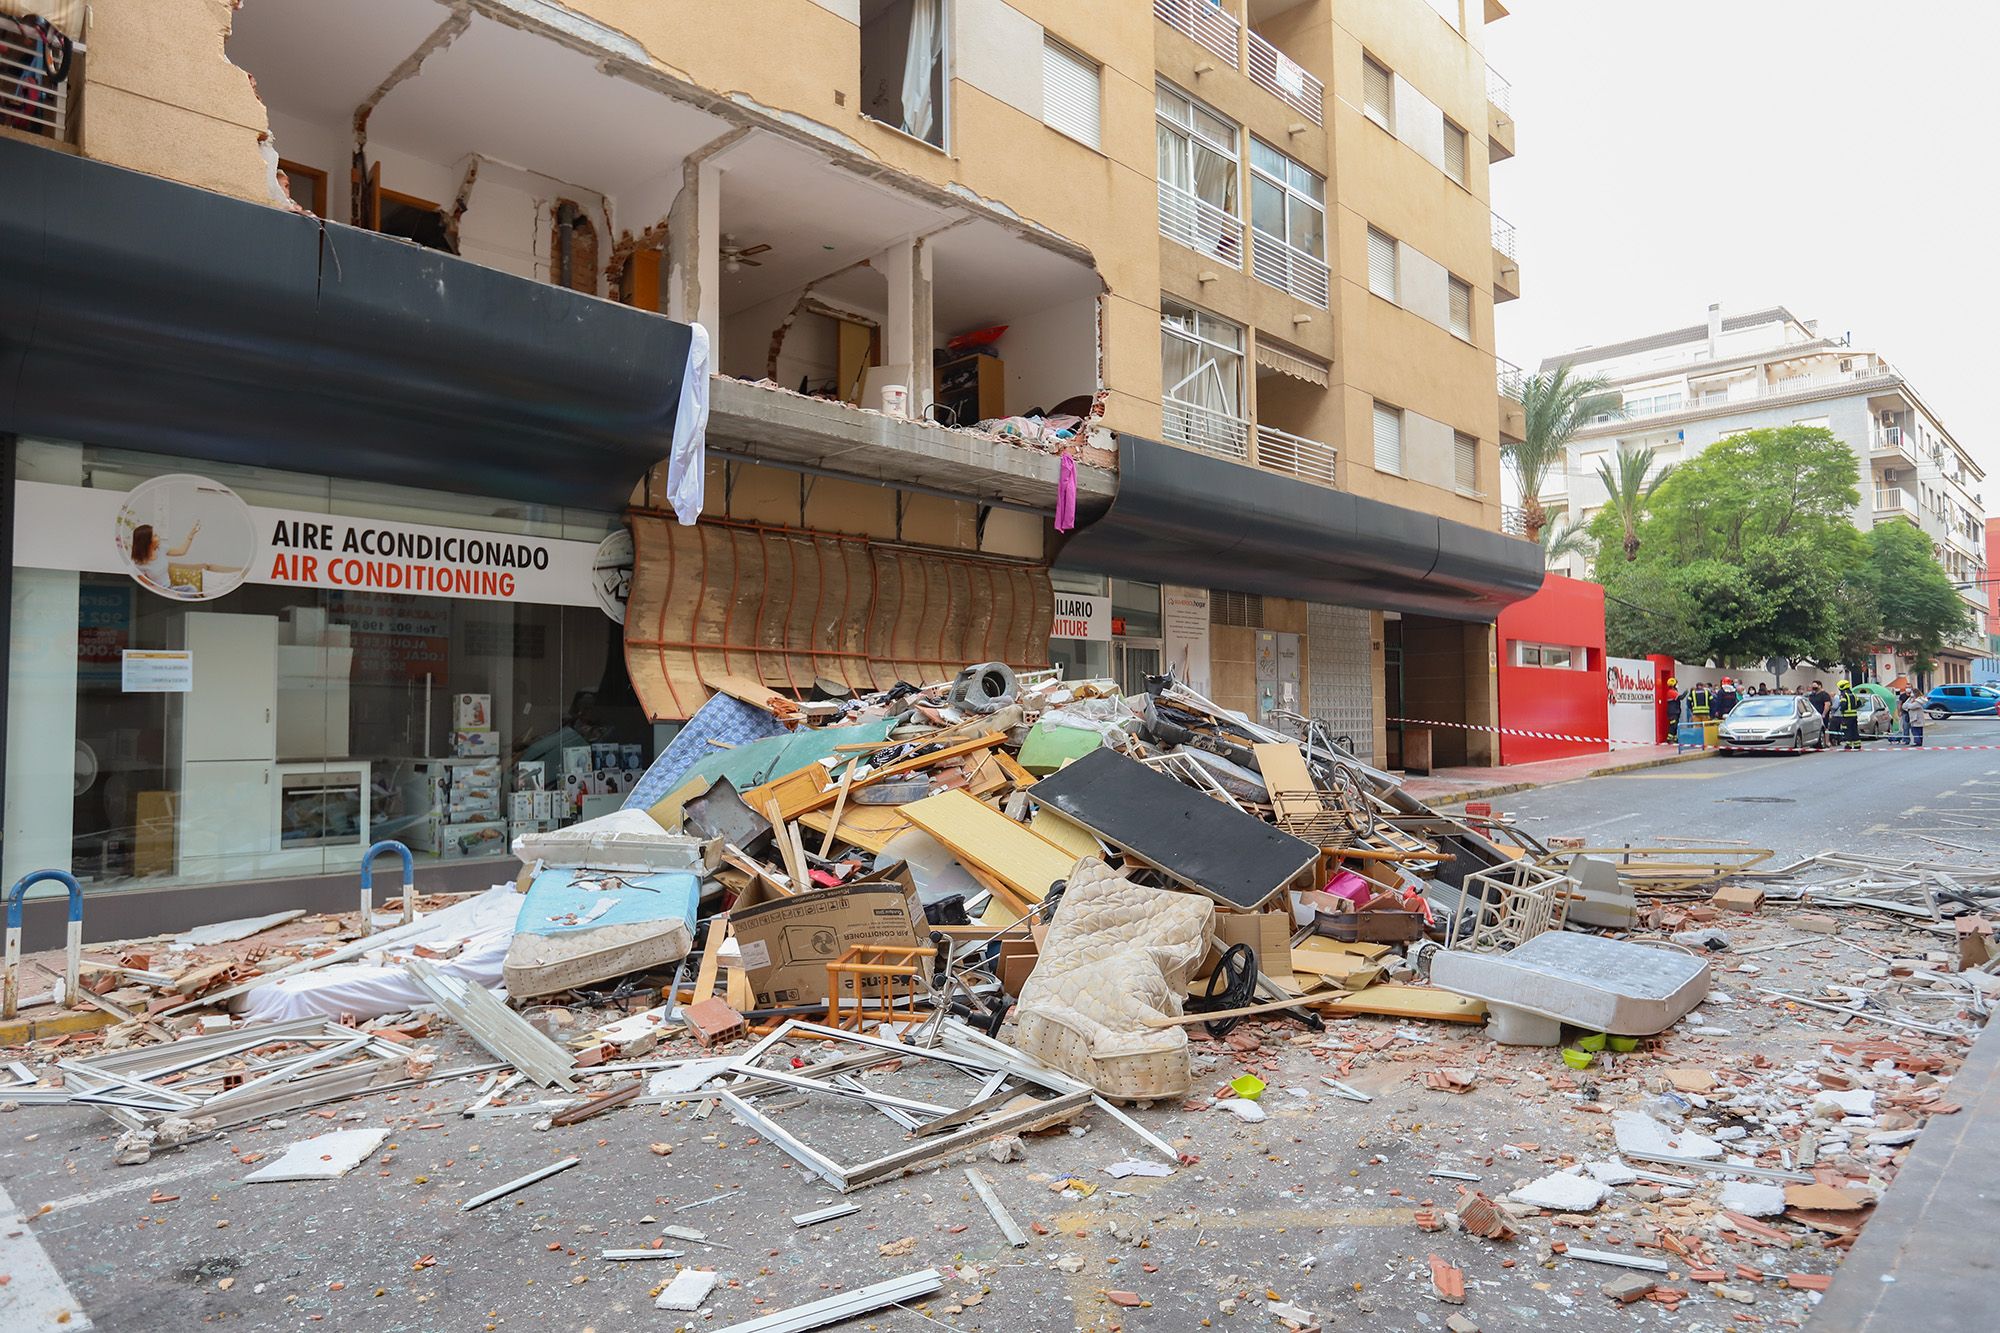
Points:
[[1571, 702], [1993, 574]]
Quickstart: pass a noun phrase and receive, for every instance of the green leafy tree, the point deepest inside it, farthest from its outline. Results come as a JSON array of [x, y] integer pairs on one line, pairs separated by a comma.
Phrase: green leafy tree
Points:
[[1919, 609], [1771, 483], [1747, 551], [1646, 610], [1556, 405]]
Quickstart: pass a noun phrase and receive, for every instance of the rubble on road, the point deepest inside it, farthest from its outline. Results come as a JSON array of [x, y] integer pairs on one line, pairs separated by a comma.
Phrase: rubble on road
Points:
[[962, 922]]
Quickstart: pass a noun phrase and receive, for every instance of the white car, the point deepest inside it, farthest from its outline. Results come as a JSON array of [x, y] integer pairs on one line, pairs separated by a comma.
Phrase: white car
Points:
[[1772, 722]]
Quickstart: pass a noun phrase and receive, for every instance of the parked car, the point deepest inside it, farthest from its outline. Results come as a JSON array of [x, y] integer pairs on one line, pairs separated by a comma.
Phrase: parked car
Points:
[[1772, 722], [1875, 719], [1963, 701]]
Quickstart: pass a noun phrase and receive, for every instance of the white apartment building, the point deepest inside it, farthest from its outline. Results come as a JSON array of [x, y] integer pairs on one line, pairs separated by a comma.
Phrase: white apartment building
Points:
[[1686, 388]]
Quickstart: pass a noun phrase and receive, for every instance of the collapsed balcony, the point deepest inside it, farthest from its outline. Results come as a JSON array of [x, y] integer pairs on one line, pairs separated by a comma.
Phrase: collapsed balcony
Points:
[[815, 273]]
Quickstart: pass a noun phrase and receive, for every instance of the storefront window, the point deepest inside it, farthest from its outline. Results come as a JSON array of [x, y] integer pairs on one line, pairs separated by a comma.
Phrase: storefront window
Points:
[[225, 673]]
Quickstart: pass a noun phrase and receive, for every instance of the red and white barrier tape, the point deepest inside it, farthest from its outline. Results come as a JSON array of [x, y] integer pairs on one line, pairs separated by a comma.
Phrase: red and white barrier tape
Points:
[[1831, 742]]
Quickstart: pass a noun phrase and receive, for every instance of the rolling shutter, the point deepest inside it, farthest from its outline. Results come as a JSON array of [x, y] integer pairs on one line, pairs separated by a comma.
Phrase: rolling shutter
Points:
[[1465, 462], [1388, 439], [1454, 152], [1461, 309], [1377, 93], [1070, 92], [1381, 265]]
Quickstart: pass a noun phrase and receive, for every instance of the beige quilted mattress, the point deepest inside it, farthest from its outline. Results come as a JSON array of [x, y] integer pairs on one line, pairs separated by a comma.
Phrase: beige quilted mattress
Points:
[[1116, 955]]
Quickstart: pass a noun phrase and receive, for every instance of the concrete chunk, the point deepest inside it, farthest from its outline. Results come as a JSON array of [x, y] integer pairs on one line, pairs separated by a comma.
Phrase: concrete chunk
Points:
[[1563, 1193]]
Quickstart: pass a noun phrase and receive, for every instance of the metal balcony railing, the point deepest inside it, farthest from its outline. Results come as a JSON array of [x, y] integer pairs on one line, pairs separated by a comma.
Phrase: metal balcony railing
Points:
[[1283, 77], [1498, 91], [1507, 378], [1204, 428], [1200, 225], [1309, 460], [1895, 501], [31, 100], [1208, 24], [1514, 520], [1288, 268], [1503, 236]]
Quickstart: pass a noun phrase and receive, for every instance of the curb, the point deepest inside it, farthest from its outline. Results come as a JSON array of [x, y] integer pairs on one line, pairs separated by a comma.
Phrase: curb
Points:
[[1509, 788]]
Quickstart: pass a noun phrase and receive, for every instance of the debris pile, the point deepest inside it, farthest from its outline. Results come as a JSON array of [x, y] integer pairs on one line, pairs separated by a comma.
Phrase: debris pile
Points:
[[938, 923]]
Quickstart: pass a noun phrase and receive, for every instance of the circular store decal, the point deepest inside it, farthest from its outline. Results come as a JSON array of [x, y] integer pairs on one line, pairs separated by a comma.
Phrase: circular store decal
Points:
[[186, 537], [611, 573]]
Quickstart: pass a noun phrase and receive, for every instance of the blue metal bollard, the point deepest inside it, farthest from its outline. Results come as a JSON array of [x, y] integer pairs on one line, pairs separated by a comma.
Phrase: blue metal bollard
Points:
[[368, 883], [10, 987]]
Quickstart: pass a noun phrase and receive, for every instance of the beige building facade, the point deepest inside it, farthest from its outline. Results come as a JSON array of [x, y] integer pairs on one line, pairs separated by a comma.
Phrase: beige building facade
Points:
[[449, 262]]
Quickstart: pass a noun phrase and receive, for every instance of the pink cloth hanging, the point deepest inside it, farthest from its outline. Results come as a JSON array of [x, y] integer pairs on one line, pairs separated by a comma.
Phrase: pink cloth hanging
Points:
[[1066, 494]]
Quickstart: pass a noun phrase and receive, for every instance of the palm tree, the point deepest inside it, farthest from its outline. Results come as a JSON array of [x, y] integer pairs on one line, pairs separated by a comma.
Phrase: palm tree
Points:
[[1564, 536], [1556, 406], [1628, 489]]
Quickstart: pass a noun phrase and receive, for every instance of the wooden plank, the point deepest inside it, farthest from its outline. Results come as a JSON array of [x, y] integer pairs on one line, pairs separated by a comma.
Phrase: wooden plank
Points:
[[748, 691], [869, 827], [711, 959], [794, 792], [788, 851], [987, 840], [839, 808], [1283, 765], [985, 742], [1003, 892], [1393, 1001], [1064, 832], [1269, 1006]]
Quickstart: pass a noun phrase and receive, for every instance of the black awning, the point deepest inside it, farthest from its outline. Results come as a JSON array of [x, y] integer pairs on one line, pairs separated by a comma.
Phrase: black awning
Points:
[[1184, 517], [139, 313]]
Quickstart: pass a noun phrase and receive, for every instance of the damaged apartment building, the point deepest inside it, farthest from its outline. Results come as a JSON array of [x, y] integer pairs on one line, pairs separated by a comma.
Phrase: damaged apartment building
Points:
[[341, 423]]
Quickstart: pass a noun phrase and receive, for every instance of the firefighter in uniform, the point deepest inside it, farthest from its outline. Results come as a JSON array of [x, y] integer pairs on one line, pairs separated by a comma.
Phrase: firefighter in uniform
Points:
[[1848, 704], [1671, 704], [1700, 702]]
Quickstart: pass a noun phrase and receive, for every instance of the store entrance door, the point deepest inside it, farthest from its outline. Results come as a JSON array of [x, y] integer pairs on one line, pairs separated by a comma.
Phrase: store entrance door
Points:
[[1137, 659]]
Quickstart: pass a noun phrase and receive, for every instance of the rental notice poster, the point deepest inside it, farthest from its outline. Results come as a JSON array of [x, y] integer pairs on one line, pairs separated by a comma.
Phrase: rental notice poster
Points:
[[1184, 634]]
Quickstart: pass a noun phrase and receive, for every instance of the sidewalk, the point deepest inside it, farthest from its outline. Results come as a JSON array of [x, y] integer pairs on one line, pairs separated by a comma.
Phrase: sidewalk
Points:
[[1449, 786]]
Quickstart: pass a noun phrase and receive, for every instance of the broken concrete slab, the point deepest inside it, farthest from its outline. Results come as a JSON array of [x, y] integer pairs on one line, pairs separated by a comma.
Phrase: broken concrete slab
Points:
[[1639, 1135], [1563, 1193], [688, 1290], [326, 1157], [1752, 1199]]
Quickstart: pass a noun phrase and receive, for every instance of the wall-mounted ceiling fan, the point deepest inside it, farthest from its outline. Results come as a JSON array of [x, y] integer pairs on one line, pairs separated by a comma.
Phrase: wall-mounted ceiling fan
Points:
[[736, 256]]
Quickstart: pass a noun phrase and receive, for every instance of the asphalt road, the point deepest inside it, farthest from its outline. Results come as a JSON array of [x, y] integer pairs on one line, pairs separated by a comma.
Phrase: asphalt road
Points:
[[1315, 1206], [1880, 800]]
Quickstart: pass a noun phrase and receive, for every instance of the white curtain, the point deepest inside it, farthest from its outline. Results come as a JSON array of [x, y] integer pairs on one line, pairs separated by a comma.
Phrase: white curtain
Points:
[[687, 465], [919, 59]]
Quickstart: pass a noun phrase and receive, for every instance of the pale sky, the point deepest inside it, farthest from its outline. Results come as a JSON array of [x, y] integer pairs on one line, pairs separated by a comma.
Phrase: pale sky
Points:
[[1833, 156]]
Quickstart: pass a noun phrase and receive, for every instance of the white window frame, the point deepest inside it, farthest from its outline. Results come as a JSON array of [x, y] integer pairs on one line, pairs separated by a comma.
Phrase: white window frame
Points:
[[1454, 285], [1387, 117], [1087, 130], [1191, 134], [1194, 325], [1289, 193], [1549, 656], [947, 33], [1394, 294], [1384, 411]]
